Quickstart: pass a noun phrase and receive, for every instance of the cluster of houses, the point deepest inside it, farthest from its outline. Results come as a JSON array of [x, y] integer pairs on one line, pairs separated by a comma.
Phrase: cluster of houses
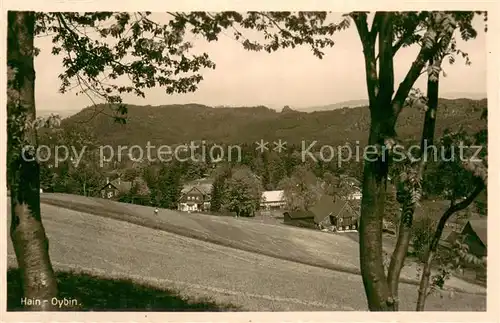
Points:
[[195, 197], [328, 214]]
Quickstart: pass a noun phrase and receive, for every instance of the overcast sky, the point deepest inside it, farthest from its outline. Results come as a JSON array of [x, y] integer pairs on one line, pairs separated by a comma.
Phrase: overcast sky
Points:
[[291, 77]]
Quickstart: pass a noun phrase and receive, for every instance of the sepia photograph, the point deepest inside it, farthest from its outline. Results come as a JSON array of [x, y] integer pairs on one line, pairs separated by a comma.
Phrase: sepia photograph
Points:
[[246, 161]]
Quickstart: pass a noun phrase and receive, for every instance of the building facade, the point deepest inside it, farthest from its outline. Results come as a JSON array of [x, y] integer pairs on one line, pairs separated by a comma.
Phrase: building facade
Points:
[[195, 197], [109, 191], [112, 189], [273, 200]]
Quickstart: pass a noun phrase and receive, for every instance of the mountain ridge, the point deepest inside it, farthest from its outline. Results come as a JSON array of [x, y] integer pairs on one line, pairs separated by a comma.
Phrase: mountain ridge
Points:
[[173, 124], [332, 106]]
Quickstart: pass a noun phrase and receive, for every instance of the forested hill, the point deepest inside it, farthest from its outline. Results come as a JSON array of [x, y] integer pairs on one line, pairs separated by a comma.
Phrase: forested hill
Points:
[[173, 124]]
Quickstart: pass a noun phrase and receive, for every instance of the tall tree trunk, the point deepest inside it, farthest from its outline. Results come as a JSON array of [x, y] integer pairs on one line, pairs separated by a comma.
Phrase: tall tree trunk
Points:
[[375, 175], [424, 280], [400, 250], [404, 232], [384, 111], [370, 230], [27, 232]]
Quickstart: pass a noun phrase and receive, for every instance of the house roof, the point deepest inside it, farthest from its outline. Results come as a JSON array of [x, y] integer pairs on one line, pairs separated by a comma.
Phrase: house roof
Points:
[[473, 217], [121, 185], [302, 214], [203, 185], [351, 180], [195, 190], [108, 184], [326, 206], [480, 227], [273, 196], [482, 197]]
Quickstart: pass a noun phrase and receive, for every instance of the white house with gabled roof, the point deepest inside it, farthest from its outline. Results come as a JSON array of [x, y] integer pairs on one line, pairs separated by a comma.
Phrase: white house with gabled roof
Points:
[[195, 196]]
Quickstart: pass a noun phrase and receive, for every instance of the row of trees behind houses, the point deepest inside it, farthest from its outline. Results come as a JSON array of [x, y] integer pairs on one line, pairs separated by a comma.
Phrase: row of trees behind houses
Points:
[[237, 186]]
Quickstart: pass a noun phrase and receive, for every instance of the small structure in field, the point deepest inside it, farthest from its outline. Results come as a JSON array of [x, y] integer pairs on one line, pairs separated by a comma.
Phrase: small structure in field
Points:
[[327, 213], [272, 200], [112, 189], [196, 196], [474, 234]]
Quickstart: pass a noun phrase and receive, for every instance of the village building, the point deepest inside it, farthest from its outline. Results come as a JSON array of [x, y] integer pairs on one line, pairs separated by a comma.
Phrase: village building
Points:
[[195, 196], [355, 195], [474, 234], [327, 213], [112, 189], [355, 184], [273, 200]]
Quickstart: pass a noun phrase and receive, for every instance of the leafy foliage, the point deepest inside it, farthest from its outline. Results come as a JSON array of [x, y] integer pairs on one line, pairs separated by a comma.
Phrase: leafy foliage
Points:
[[449, 262], [338, 186], [167, 187], [457, 166], [244, 192], [139, 193], [472, 181], [271, 167], [219, 188], [423, 231], [71, 162], [302, 189]]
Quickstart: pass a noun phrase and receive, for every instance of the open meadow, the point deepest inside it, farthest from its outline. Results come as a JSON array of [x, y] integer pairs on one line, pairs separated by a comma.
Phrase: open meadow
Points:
[[251, 265]]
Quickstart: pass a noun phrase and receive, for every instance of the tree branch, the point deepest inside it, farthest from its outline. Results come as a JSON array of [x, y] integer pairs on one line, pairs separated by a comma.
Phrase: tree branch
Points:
[[411, 77], [427, 138], [424, 281], [360, 20], [401, 41], [400, 250], [272, 21], [386, 64], [376, 25]]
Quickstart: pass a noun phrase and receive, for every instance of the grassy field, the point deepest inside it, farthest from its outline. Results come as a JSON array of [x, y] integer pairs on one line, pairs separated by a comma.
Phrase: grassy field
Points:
[[199, 270], [331, 251]]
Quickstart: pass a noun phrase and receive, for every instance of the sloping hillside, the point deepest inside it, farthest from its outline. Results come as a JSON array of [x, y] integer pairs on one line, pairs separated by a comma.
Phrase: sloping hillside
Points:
[[173, 124], [101, 245], [335, 252], [331, 251]]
